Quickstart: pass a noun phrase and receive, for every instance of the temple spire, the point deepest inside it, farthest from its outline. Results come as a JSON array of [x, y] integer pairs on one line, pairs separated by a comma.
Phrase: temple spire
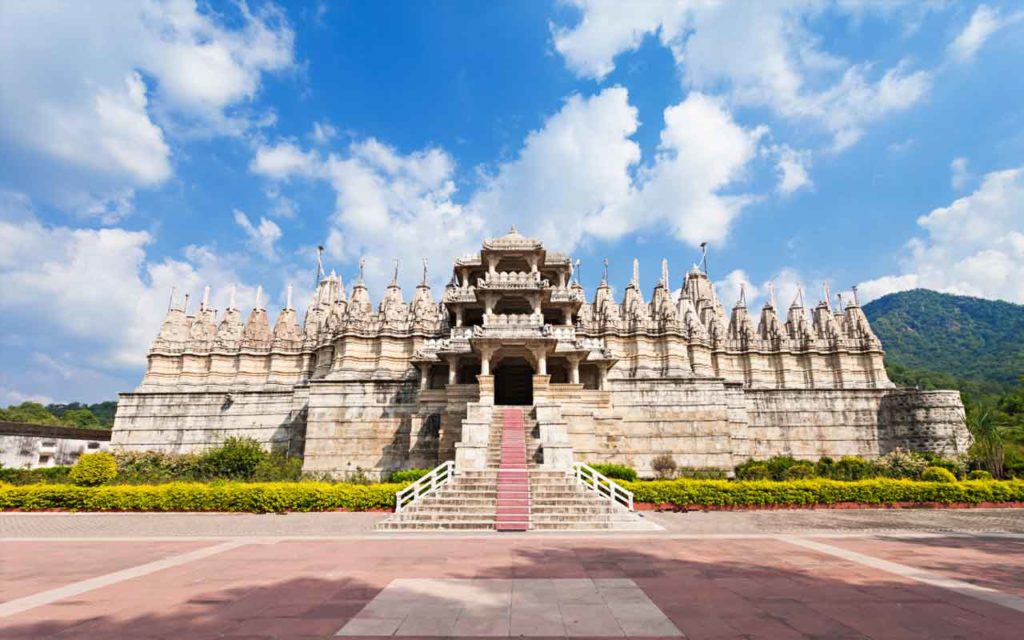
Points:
[[742, 302], [288, 303], [771, 294], [170, 301], [636, 273], [604, 275], [206, 298], [394, 276], [424, 282], [856, 300], [259, 296], [664, 272]]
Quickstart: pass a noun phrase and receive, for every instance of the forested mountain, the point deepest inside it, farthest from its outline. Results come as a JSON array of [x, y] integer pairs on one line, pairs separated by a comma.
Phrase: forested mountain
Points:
[[928, 336]]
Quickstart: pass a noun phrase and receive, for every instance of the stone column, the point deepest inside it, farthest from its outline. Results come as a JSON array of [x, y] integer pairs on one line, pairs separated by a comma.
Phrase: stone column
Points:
[[486, 384], [453, 368], [424, 375], [567, 316], [542, 361], [458, 316], [574, 369], [603, 383], [485, 360]]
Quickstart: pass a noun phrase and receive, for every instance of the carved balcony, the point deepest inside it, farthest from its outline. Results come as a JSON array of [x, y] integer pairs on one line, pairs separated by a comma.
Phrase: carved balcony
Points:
[[459, 294], [567, 294], [512, 281]]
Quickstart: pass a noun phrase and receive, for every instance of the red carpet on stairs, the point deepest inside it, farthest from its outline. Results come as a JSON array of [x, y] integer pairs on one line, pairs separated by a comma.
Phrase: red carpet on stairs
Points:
[[513, 478]]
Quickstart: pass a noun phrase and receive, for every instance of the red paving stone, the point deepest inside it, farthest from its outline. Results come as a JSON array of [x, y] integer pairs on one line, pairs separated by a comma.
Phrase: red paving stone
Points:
[[31, 567], [997, 563], [709, 588]]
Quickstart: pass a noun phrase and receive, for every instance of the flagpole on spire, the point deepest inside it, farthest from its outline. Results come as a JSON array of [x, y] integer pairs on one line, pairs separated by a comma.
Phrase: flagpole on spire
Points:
[[170, 301], [319, 265], [288, 303], [424, 283], [604, 276], [704, 256], [394, 277]]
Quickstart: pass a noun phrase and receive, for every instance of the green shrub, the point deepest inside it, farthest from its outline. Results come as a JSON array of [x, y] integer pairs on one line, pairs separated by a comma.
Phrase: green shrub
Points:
[[818, 491], [664, 466], [42, 475], [144, 467], [825, 467], [852, 468], [94, 469], [236, 459], [752, 470], [900, 463], [615, 471], [937, 474], [778, 465], [979, 474], [253, 497], [407, 475], [278, 467], [800, 470]]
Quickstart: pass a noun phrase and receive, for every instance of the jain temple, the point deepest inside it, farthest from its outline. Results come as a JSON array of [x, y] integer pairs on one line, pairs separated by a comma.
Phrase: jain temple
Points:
[[358, 386]]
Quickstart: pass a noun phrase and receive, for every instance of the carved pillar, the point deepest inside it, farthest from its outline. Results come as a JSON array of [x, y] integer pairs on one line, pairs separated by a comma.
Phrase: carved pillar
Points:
[[485, 360], [567, 316], [453, 368], [424, 375], [574, 369], [458, 316]]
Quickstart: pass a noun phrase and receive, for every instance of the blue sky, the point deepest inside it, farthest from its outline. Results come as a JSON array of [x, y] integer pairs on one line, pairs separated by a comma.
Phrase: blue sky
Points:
[[159, 144]]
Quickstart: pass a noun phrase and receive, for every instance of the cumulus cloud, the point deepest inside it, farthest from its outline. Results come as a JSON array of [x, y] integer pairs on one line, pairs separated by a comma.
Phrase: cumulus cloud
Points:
[[95, 286], [762, 56], [262, 237], [284, 160], [91, 89], [974, 246], [572, 176]]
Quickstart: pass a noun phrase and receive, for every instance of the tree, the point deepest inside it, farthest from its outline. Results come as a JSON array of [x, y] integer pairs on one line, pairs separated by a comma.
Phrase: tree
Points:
[[31, 412], [988, 441], [82, 418]]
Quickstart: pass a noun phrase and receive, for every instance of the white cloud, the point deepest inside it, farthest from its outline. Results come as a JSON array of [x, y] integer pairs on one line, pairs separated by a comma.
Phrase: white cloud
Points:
[[90, 90], [983, 23], [702, 152], [728, 288], [762, 56], [262, 237], [284, 160], [975, 246], [572, 176], [95, 288], [323, 132], [9, 396], [791, 166], [960, 176]]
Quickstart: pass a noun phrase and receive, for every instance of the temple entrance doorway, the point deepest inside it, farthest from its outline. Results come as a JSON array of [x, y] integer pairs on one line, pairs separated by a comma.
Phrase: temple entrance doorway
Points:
[[513, 382]]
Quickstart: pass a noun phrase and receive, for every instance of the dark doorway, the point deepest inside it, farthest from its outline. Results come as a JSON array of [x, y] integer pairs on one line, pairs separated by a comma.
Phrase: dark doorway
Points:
[[513, 382]]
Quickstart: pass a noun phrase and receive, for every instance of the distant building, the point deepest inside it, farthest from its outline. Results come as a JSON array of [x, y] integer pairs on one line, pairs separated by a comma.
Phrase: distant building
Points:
[[414, 384], [32, 446]]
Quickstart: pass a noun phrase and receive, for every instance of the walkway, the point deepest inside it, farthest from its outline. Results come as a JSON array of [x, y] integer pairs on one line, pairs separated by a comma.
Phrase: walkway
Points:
[[909, 574]]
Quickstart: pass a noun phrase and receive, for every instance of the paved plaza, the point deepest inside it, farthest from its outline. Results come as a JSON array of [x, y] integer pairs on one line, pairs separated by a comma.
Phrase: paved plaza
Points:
[[779, 574]]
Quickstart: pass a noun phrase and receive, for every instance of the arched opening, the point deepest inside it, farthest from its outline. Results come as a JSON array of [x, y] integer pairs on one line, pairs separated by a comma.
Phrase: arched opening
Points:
[[512, 263], [513, 382]]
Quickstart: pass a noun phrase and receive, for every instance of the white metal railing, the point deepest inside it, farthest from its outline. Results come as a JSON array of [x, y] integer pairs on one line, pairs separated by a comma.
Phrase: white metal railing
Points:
[[437, 478], [590, 478]]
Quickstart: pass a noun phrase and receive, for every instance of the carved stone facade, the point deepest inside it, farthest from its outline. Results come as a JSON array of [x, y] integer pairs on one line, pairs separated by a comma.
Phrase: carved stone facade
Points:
[[414, 384]]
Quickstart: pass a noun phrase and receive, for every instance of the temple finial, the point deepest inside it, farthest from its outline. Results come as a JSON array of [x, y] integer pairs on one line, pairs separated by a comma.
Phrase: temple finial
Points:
[[206, 299], [604, 276], [362, 266], [799, 300], [856, 300], [576, 270], [231, 300], [771, 294], [636, 272], [424, 283], [319, 264], [840, 297], [170, 301], [704, 256], [288, 303], [513, 229], [259, 296], [394, 276], [742, 302], [664, 272], [827, 294], [185, 308]]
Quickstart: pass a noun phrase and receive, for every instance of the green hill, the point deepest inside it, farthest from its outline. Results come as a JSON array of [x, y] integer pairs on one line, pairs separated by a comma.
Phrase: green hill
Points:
[[936, 339]]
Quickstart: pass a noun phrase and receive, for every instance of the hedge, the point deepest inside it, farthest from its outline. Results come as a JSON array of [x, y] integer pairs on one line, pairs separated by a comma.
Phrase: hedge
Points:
[[878, 491], [266, 497]]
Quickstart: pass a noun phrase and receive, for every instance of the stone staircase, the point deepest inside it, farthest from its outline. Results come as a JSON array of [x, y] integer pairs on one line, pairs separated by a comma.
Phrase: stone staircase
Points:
[[514, 493], [513, 498]]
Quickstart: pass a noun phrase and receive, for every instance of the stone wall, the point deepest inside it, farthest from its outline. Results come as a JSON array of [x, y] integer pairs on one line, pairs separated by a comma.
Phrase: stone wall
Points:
[[190, 422], [30, 446]]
